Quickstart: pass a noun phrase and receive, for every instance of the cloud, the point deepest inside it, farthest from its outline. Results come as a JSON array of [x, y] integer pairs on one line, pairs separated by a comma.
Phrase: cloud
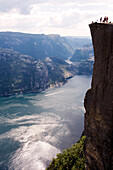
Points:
[[24, 6], [48, 16]]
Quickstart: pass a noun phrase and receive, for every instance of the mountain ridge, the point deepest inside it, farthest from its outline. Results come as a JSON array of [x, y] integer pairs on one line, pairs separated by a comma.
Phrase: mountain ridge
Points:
[[39, 45]]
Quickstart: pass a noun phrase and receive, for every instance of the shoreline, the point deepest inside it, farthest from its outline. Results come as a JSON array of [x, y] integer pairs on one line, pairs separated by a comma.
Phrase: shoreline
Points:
[[38, 91], [51, 86]]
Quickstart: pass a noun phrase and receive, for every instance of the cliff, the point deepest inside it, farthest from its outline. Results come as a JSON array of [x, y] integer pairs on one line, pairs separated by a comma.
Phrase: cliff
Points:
[[99, 101]]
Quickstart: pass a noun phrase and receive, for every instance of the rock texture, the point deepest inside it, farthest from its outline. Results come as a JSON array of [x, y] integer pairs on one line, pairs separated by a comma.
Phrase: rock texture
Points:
[[99, 101]]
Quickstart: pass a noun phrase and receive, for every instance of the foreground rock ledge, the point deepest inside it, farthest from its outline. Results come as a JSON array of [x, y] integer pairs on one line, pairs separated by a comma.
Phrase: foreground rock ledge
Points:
[[99, 101]]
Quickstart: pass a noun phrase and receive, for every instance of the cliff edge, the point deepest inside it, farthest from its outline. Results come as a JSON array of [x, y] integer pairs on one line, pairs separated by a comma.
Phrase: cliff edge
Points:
[[99, 101]]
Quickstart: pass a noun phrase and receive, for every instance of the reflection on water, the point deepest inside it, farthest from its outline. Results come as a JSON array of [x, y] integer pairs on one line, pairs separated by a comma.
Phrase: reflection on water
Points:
[[35, 127]]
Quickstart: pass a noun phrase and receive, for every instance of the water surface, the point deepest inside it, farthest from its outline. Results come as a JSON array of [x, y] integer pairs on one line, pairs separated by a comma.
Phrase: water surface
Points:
[[35, 127]]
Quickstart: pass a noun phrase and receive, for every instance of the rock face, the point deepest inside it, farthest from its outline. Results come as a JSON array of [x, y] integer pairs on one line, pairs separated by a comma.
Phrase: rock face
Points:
[[99, 101]]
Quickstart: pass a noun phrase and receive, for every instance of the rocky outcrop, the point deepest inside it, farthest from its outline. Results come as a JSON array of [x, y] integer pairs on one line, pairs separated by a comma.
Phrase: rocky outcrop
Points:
[[99, 101]]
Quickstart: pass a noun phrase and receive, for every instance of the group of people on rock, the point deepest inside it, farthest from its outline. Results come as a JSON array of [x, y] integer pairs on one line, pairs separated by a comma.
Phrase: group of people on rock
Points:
[[104, 20]]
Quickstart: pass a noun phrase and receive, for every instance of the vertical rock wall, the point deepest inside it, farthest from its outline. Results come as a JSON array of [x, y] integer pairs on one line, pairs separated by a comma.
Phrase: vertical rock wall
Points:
[[99, 101]]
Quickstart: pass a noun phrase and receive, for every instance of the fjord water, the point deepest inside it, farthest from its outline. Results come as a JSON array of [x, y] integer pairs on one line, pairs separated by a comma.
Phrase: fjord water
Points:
[[35, 127]]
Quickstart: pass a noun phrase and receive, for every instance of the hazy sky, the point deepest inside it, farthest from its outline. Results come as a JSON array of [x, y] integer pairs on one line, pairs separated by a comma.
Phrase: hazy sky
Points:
[[64, 17]]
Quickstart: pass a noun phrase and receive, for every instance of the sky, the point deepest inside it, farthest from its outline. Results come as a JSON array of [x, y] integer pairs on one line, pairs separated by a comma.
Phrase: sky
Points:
[[64, 17]]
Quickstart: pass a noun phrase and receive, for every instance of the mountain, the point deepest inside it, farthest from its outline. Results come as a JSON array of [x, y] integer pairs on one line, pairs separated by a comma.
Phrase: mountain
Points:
[[83, 58], [38, 46], [78, 42], [99, 101], [23, 74], [85, 68], [34, 62], [83, 54]]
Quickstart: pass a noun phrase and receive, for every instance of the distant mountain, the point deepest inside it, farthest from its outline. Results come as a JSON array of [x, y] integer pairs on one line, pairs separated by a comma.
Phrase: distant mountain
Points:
[[32, 62], [83, 54], [85, 68], [38, 46], [83, 58], [78, 42], [23, 74]]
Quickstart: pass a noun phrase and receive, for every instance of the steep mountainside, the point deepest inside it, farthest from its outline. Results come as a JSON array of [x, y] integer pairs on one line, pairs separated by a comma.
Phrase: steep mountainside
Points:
[[83, 54], [85, 68], [37, 45], [22, 74], [99, 101]]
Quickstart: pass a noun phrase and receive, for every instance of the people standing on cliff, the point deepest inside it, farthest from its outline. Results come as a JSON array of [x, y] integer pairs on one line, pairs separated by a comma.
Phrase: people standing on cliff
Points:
[[105, 19], [100, 19]]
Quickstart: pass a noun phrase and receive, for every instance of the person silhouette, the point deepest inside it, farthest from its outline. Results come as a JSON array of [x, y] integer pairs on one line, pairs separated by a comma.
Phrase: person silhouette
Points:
[[100, 19]]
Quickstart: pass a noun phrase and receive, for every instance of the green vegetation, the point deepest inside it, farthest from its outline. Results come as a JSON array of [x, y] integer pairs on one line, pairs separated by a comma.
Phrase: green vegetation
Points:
[[71, 159]]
